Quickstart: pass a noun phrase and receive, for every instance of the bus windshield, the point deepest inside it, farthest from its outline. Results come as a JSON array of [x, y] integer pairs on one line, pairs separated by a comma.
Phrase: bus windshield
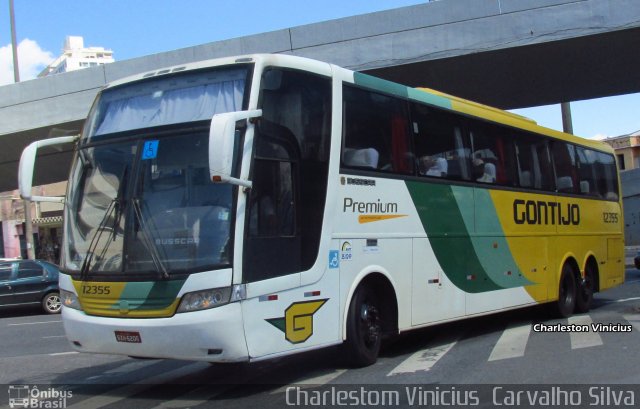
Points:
[[135, 213], [143, 203], [166, 101]]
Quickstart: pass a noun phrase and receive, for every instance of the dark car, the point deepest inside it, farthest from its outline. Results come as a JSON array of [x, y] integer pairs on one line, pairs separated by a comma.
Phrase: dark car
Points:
[[636, 260], [29, 282]]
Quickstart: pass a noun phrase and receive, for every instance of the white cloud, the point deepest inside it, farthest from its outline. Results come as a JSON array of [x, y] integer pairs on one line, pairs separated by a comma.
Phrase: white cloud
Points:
[[600, 137], [31, 57]]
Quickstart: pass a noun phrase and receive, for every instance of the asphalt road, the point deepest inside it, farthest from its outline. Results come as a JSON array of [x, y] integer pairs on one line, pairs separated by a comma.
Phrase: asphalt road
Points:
[[502, 349]]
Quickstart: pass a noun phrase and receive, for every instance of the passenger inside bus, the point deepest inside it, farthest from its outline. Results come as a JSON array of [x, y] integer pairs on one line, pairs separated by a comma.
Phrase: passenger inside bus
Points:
[[433, 166], [488, 170]]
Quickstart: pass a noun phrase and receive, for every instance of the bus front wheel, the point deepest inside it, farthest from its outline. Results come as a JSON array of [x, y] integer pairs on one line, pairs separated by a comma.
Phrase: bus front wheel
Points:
[[566, 293], [364, 327]]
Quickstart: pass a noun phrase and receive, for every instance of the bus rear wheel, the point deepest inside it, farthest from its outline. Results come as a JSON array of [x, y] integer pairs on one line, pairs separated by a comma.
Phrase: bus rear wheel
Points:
[[567, 293], [364, 327], [586, 290]]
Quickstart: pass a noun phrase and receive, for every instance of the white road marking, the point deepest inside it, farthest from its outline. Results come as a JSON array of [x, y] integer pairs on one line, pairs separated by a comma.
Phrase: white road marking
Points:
[[191, 399], [313, 381], [129, 367], [32, 323], [512, 343], [628, 299], [134, 365], [64, 353], [55, 336], [422, 360], [634, 319], [584, 339], [124, 392]]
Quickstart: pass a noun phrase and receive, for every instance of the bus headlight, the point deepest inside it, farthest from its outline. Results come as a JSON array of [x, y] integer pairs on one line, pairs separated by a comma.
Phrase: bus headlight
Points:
[[70, 300], [202, 300]]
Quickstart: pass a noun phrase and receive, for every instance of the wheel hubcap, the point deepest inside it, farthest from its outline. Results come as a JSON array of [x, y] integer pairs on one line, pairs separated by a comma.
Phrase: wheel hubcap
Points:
[[370, 324], [53, 303]]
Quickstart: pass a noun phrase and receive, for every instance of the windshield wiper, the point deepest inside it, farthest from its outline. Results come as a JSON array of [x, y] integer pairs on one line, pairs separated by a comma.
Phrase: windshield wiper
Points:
[[120, 201], [147, 240], [86, 264], [116, 208]]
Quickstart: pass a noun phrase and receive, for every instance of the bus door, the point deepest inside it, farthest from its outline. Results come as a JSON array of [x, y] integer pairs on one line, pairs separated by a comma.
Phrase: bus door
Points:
[[272, 245], [284, 215]]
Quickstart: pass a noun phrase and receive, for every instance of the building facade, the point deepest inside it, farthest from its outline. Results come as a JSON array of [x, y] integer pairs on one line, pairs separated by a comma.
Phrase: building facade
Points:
[[46, 221], [75, 56], [627, 149], [46, 217]]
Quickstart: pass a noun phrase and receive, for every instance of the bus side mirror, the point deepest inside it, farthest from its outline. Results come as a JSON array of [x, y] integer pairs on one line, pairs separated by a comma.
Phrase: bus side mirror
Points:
[[27, 166], [224, 149]]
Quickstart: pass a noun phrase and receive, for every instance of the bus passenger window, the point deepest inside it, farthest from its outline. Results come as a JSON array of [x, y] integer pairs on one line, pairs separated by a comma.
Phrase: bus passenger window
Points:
[[375, 132], [492, 155], [607, 176], [533, 163], [441, 150], [587, 171], [564, 162]]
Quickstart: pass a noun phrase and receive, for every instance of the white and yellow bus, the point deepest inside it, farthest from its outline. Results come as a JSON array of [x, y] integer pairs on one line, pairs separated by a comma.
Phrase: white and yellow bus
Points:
[[247, 208]]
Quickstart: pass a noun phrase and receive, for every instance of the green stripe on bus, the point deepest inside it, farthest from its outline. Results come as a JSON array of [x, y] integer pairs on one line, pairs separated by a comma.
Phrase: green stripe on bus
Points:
[[380, 85], [155, 295], [423, 96], [399, 90], [489, 242], [444, 224]]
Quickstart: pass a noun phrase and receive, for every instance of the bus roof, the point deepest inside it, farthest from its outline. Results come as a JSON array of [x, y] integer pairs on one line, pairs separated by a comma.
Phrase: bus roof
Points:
[[425, 95]]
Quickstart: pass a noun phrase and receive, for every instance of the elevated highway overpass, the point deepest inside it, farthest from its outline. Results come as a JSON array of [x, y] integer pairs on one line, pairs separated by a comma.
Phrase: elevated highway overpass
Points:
[[506, 53]]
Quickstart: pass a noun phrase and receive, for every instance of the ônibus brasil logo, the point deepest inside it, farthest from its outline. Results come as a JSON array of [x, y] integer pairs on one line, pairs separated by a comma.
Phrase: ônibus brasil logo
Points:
[[25, 396]]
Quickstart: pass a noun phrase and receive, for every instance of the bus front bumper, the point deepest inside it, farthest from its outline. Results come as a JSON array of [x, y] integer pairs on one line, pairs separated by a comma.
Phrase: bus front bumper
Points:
[[214, 335]]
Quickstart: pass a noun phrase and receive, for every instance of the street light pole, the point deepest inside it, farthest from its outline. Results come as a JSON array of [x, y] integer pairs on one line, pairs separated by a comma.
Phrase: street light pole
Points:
[[16, 77], [28, 231], [14, 46]]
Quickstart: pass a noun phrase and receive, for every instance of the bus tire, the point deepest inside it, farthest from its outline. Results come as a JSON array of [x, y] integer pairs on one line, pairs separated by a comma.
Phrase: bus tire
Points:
[[567, 290], [586, 288], [364, 327]]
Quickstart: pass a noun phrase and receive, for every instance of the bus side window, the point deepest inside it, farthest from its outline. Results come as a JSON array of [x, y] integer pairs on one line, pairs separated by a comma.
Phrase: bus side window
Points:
[[587, 168], [564, 162], [533, 163], [440, 147], [375, 132], [607, 176], [493, 156]]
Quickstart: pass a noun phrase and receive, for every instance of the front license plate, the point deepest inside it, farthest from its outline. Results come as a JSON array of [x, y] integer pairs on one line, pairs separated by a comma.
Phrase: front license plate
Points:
[[128, 336]]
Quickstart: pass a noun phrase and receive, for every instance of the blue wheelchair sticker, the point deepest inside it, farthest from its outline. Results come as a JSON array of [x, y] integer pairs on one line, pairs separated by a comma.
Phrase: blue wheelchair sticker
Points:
[[334, 259], [150, 150]]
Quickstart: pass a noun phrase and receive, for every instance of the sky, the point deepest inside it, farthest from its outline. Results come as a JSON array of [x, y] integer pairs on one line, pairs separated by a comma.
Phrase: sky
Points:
[[136, 28]]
